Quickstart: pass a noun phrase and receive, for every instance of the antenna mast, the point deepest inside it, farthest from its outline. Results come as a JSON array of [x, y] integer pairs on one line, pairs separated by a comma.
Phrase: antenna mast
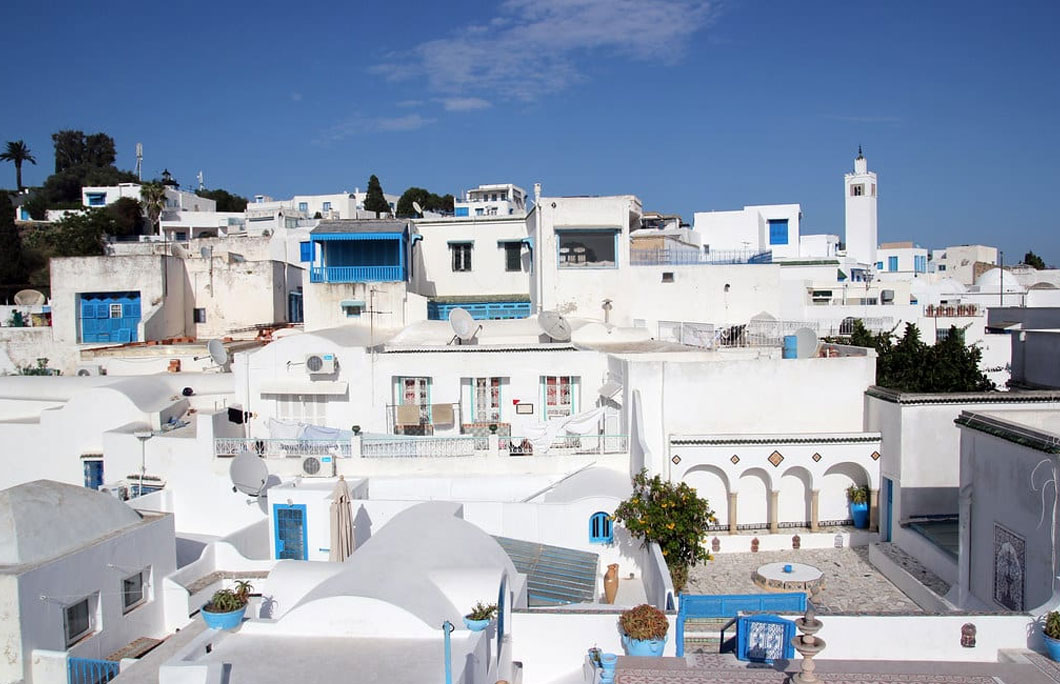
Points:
[[139, 160], [202, 184]]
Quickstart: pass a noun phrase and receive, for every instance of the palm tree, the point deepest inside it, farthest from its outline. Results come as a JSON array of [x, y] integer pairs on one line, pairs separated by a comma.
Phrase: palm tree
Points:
[[17, 152], [153, 199]]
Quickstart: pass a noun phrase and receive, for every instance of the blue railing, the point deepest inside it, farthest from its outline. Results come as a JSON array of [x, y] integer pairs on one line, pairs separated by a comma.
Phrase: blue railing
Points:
[[730, 605], [692, 257], [89, 671], [356, 274]]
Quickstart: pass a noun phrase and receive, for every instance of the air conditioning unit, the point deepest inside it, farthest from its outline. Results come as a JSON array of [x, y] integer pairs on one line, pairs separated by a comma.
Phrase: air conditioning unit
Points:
[[318, 466], [86, 370], [320, 364]]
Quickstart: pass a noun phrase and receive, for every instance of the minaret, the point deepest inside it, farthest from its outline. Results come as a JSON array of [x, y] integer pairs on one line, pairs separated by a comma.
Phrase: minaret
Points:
[[860, 193]]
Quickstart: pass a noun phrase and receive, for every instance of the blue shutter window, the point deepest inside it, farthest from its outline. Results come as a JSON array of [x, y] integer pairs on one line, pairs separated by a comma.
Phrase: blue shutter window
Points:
[[303, 206], [892, 263], [778, 231], [306, 251], [600, 528]]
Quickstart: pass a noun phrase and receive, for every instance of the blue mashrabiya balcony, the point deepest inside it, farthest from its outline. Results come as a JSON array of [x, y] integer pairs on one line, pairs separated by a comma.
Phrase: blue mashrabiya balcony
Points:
[[358, 251]]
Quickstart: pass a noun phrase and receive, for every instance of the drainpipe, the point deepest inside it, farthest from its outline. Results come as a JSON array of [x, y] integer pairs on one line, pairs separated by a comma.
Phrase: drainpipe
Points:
[[447, 629]]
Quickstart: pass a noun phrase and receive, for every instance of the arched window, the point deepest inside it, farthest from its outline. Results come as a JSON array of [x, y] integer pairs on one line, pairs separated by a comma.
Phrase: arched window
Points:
[[600, 531]]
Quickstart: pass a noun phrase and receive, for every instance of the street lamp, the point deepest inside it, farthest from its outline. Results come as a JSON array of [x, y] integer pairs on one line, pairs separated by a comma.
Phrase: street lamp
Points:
[[143, 436]]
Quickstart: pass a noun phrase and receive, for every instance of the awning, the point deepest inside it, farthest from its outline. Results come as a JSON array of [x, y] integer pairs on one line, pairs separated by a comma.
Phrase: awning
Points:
[[460, 242], [286, 386], [351, 302], [610, 389]]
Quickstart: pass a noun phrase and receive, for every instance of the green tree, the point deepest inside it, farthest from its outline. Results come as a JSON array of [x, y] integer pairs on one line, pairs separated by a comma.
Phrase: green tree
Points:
[[1030, 258], [226, 201], [127, 217], [12, 265], [427, 200], [671, 515], [374, 199], [153, 199], [18, 153], [69, 149], [81, 161], [99, 150]]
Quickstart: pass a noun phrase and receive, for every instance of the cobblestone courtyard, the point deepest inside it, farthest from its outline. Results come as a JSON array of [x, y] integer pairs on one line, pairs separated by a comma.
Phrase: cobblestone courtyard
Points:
[[851, 583]]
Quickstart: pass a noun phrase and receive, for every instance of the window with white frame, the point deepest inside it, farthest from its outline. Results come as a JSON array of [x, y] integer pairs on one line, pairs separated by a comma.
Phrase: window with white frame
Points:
[[486, 393], [134, 590], [413, 391], [559, 394], [310, 409], [461, 256], [79, 619], [588, 248]]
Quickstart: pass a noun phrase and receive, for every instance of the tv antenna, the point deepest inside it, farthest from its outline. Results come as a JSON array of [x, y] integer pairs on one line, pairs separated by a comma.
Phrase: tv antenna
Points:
[[463, 325], [418, 208], [554, 325], [139, 161], [29, 298]]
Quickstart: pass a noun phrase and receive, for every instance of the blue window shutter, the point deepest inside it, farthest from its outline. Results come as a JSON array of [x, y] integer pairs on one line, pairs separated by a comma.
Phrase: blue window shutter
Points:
[[306, 249], [600, 528], [892, 263], [778, 231]]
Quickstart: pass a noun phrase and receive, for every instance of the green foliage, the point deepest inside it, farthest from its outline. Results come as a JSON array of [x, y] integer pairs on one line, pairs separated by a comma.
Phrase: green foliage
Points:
[[243, 589], [374, 199], [1030, 258], [644, 623], [427, 199], [910, 365], [127, 215], [153, 200], [225, 601], [1052, 625], [17, 153], [858, 495], [483, 611], [40, 369], [12, 264], [74, 148], [226, 201], [671, 515], [37, 206], [74, 235]]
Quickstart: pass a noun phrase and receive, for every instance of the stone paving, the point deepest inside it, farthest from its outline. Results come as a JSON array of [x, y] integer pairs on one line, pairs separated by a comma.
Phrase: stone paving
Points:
[[851, 583], [915, 568]]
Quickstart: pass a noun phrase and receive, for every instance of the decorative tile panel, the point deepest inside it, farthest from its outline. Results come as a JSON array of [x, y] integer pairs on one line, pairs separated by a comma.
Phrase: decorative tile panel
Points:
[[816, 458], [875, 455], [1010, 566], [735, 459], [676, 460], [775, 458]]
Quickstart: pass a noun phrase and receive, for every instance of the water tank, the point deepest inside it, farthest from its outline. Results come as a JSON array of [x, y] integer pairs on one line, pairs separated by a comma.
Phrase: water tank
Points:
[[791, 347]]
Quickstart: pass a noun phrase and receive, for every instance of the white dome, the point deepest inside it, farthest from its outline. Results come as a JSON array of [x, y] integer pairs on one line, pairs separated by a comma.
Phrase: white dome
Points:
[[949, 286], [991, 282]]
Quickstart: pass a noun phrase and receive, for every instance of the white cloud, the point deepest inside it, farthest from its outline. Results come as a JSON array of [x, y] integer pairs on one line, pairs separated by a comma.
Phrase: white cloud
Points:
[[357, 125], [531, 47], [464, 104]]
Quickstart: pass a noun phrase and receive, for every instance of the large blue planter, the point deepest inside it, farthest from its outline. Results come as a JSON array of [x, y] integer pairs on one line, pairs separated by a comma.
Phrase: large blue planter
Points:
[[229, 620], [475, 625], [643, 647], [1052, 647], [860, 513]]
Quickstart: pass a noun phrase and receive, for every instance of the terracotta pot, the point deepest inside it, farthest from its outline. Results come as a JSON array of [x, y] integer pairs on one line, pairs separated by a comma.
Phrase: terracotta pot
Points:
[[611, 583]]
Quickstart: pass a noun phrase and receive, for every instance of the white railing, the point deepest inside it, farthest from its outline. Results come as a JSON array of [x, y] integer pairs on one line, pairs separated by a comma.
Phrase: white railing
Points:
[[227, 447], [418, 447], [573, 445], [690, 256]]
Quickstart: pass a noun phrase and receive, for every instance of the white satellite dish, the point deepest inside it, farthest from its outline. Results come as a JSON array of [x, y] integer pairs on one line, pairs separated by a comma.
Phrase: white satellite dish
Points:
[[462, 323], [554, 325], [217, 352], [805, 343], [29, 298], [178, 251], [417, 207], [206, 252], [249, 473]]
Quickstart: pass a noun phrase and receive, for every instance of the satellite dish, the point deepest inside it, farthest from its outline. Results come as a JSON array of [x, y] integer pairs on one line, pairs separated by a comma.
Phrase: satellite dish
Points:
[[805, 343], [206, 252], [29, 298], [462, 323], [178, 251], [249, 473], [554, 325], [417, 207], [217, 352]]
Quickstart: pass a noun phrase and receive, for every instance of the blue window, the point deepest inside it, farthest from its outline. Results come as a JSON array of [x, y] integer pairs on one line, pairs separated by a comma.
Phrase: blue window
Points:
[[778, 231], [290, 531], [600, 528], [879, 265], [305, 251], [303, 206], [892, 263], [327, 206], [93, 474], [920, 264], [96, 199], [460, 211]]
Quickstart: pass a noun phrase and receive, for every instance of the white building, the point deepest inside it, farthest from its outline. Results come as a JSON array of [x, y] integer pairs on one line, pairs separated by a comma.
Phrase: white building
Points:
[[901, 260], [755, 229], [79, 578], [500, 199], [860, 201], [963, 263]]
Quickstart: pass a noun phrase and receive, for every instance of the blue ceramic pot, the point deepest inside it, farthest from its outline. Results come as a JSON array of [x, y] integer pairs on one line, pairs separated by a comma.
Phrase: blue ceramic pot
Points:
[[860, 513], [229, 620], [476, 625], [1052, 647], [643, 647]]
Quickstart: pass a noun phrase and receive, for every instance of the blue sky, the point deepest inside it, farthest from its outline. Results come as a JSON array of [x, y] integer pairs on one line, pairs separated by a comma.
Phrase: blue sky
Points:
[[690, 105]]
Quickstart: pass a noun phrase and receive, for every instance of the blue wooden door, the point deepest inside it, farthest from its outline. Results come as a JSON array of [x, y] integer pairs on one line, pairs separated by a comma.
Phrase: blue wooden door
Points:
[[109, 317], [889, 487], [289, 526]]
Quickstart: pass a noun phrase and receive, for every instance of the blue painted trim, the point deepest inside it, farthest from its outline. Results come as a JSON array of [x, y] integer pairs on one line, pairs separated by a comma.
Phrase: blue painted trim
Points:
[[324, 237], [601, 530], [778, 231], [447, 630], [743, 633], [278, 543], [730, 605], [493, 311], [460, 242]]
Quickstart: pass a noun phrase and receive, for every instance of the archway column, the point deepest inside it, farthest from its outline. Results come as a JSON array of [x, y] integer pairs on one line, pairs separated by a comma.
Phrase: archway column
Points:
[[815, 504], [774, 511], [874, 510], [732, 512]]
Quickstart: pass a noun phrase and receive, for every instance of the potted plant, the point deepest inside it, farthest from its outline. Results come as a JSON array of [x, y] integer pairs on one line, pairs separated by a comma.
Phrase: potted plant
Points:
[[356, 429], [644, 630], [480, 616], [1051, 631], [226, 608], [858, 496]]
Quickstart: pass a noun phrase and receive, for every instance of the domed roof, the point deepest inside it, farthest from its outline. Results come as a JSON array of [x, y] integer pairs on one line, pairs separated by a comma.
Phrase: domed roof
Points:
[[45, 519], [991, 282], [949, 286]]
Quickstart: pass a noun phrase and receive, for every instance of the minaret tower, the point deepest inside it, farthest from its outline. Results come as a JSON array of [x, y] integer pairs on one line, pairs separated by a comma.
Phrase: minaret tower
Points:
[[860, 193]]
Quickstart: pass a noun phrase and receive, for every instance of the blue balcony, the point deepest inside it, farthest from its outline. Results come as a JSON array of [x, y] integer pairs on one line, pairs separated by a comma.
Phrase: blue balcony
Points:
[[358, 252], [356, 274]]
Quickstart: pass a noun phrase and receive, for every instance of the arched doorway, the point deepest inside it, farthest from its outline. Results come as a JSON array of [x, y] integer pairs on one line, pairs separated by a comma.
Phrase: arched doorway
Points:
[[794, 497], [752, 503], [711, 483], [833, 498]]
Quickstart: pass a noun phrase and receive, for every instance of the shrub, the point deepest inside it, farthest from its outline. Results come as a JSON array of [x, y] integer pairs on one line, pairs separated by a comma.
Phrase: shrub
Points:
[[227, 600], [482, 611], [671, 515], [857, 495], [1052, 625], [645, 623]]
